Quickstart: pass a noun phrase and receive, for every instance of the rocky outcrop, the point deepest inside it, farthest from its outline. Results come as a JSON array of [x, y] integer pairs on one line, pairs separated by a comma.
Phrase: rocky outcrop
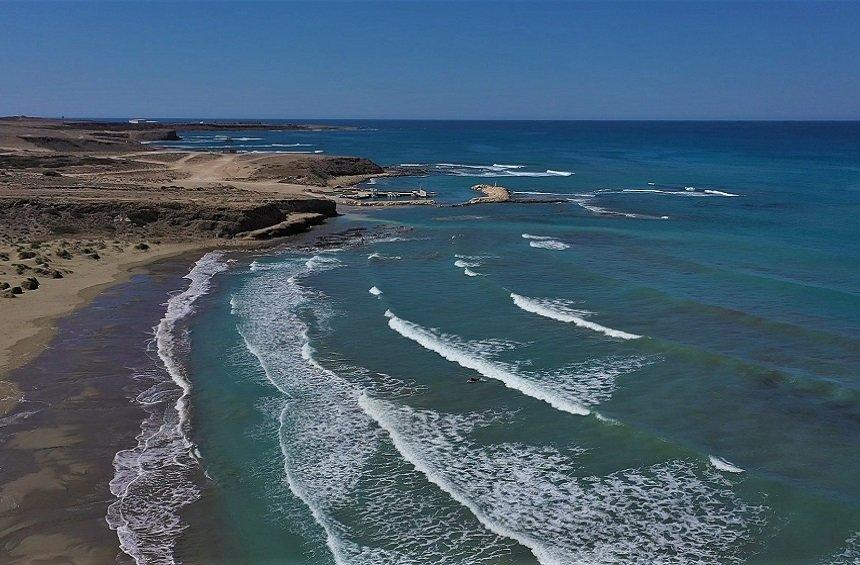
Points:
[[170, 220], [295, 223], [492, 193], [315, 170]]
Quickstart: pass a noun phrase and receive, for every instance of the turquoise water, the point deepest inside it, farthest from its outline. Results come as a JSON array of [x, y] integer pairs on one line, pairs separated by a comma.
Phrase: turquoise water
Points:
[[667, 360]]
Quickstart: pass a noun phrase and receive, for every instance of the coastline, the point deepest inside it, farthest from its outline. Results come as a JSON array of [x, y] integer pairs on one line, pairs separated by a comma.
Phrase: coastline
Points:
[[34, 316], [76, 411]]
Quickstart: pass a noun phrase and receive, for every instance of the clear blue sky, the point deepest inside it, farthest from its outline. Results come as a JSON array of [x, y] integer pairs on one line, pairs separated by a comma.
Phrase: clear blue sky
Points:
[[469, 60]]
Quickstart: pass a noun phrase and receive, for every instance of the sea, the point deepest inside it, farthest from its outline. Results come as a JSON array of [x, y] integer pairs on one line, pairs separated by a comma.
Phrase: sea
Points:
[[661, 365]]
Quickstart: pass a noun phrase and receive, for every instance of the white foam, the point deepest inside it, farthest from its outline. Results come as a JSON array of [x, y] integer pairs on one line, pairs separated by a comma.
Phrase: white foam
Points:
[[605, 212], [151, 481], [475, 257], [462, 263], [375, 256], [541, 193], [372, 507], [470, 273], [848, 554], [455, 352], [374, 291], [542, 309], [550, 244], [720, 193], [494, 170], [724, 465], [537, 237], [664, 513]]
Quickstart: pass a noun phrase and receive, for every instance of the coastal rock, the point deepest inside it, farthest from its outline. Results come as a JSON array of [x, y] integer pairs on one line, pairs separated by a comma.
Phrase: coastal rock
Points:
[[295, 223], [30, 283], [16, 290], [194, 219], [493, 193]]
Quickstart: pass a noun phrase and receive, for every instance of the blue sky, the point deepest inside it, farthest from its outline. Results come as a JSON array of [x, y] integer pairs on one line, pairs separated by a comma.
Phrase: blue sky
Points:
[[445, 60]]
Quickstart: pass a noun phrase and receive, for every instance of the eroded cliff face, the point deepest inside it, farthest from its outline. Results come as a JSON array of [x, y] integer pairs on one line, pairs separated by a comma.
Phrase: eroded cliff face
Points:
[[49, 218]]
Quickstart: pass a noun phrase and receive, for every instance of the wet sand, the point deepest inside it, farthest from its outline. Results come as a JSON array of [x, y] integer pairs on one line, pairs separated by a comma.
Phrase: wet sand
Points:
[[77, 411]]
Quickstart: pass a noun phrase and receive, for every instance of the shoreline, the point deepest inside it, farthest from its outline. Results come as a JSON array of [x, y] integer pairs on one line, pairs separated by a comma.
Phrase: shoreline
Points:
[[76, 412], [36, 324]]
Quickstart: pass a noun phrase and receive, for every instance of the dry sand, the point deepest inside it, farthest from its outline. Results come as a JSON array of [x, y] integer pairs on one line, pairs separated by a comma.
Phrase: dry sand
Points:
[[28, 319]]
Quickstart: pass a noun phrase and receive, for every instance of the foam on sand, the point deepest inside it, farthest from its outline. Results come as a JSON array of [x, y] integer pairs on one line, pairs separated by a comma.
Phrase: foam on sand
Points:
[[450, 349], [153, 481], [668, 512], [724, 465], [546, 310]]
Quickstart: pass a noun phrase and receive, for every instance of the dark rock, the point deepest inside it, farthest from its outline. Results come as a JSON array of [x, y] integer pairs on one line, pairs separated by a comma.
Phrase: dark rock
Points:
[[17, 290], [30, 283], [4, 285], [141, 247], [26, 255]]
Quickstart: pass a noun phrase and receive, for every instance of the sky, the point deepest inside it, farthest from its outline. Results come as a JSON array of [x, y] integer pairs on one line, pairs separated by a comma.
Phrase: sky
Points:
[[431, 60]]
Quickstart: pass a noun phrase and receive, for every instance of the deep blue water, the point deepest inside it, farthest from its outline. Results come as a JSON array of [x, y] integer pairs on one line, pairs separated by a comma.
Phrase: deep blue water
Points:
[[668, 358]]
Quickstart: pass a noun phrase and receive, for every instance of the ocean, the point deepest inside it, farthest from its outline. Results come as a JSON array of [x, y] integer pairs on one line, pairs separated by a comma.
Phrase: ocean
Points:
[[662, 367]]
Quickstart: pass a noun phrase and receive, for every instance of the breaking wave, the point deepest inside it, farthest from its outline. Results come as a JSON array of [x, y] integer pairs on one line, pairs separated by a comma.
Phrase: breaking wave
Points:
[[723, 465], [452, 349], [550, 310], [667, 512], [372, 507], [494, 170], [553, 244]]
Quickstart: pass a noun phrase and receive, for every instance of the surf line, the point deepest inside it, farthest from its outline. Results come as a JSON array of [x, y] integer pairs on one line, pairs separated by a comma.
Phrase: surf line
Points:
[[535, 307], [451, 352], [374, 409]]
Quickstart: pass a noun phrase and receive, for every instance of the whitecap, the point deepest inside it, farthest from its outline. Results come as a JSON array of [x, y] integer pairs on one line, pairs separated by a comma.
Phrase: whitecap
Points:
[[548, 311], [549, 244], [374, 291], [470, 273], [369, 503], [724, 465], [720, 193], [452, 350], [537, 237], [666, 512]]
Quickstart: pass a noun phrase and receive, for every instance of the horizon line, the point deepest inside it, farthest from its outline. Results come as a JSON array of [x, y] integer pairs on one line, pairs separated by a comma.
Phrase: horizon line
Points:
[[414, 119]]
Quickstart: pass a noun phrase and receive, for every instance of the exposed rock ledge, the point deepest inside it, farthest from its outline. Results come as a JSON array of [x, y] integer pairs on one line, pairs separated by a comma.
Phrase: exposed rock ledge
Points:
[[171, 220], [492, 193]]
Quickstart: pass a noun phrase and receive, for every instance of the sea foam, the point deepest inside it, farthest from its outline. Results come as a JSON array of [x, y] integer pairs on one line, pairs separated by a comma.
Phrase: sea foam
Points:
[[667, 512], [546, 310], [371, 506], [152, 482], [453, 351]]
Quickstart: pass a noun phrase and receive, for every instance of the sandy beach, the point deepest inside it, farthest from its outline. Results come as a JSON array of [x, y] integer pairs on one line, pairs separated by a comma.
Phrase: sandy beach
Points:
[[89, 213]]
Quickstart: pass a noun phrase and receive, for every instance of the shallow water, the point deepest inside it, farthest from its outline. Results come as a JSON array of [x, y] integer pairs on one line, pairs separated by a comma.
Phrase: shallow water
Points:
[[667, 372]]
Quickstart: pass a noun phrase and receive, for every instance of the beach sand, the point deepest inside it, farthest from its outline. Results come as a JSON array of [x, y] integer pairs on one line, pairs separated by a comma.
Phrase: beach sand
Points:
[[75, 412], [30, 318]]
